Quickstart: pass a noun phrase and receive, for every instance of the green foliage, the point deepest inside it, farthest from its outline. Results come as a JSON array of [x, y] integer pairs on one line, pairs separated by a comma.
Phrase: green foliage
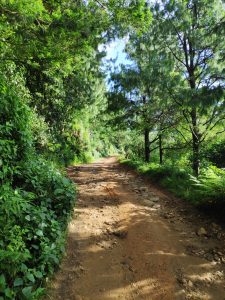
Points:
[[174, 88], [215, 153], [173, 177], [33, 220], [15, 134], [36, 200], [209, 187]]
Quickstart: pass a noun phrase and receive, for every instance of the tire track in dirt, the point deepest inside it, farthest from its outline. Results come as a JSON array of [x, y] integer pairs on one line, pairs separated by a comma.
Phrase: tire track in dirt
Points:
[[124, 244]]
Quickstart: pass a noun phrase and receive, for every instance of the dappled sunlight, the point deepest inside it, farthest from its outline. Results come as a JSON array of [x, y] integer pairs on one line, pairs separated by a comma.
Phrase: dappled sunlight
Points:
[[120, 248], [208, 277], [166, 254], [139, 288]]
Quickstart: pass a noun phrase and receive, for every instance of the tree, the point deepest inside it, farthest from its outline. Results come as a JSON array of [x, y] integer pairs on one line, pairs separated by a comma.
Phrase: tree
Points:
[[145, 84], [187, 30]]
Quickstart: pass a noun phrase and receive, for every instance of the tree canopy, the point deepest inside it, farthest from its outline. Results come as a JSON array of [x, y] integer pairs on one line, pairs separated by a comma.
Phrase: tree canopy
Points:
[[165, 111]]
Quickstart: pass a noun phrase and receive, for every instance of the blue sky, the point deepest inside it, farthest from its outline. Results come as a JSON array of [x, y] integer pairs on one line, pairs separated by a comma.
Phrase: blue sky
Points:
[[114, 51]]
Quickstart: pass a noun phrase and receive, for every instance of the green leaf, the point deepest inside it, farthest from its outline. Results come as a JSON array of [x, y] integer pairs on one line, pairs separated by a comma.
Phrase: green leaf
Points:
[[18, 282], [27, 217], [2, 282], [35, 247], [38, 274], [30, 277], [39, 232], [27, 292], [8, 293], [39, 292]]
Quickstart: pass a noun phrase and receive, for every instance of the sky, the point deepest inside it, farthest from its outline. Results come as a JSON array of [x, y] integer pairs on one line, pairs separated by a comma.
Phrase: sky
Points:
[[115, 55], [115, 50]]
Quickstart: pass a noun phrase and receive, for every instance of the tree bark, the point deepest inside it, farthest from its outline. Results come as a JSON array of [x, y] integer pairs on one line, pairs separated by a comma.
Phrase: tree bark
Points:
[[160, 149], [194, 117], [195, 143], [147, 145], [146, 134]]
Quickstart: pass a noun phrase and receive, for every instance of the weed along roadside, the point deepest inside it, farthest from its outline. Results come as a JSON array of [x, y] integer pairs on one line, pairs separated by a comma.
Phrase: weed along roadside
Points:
[[205, 192]]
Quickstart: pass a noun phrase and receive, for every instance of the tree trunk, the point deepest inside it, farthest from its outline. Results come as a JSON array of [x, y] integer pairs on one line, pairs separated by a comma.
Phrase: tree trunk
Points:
[[160, 149], [195, 143], [146, 134], [147, 145], [194, 120]]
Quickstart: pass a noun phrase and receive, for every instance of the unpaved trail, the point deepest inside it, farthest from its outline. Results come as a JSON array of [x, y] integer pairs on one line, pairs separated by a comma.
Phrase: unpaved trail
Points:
[[127, 241]]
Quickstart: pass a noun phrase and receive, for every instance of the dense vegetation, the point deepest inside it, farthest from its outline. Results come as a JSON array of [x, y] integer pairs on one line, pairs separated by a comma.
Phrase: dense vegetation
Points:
[[164, 112], [52, 104], [170, 99]]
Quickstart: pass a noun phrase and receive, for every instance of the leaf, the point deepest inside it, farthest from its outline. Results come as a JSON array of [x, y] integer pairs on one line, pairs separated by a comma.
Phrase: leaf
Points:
[[27, 217], [18, 282], [59, 191], [9, 293], [30, 277], [2, 282], [35, 246], [38, 274], [39, 232], [23, 268], [27, 292], [39, 292]]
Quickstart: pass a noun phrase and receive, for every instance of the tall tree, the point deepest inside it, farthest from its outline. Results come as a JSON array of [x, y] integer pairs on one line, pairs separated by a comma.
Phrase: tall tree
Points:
[[145, 82], [187, 30]]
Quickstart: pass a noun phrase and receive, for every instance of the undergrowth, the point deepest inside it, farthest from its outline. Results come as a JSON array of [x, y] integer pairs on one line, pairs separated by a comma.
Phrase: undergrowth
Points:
[[36, 201], [207, 189], [33, 221]]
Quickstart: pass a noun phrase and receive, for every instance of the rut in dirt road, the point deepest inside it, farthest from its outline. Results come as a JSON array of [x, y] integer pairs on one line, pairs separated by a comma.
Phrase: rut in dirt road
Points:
[[125, 242]]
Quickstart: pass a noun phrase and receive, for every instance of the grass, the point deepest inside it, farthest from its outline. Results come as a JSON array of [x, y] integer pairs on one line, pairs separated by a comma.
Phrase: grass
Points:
[[208, 189]]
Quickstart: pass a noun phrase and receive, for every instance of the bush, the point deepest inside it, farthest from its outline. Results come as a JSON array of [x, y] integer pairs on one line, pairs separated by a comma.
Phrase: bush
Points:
[[51, 189], [172, 177], [32, 228], [215, 153], [36, 201], [209, 187], [15, 135]]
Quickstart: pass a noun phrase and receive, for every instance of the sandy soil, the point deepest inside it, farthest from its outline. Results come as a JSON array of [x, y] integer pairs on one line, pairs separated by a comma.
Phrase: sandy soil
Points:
[[129, 240]]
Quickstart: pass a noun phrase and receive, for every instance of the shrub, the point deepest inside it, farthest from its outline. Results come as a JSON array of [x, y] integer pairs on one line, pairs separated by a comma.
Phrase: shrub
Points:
[[15, 135], [36, 201], [172, 177], [32, 227], [209, 187], [215, 154]]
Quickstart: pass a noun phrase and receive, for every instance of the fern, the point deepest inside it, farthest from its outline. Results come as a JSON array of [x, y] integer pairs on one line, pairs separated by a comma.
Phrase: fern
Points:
[[210, 185]]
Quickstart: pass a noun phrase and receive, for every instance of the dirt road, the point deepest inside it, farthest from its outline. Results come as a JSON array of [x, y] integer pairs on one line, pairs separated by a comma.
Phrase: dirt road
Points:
[[128, 240]]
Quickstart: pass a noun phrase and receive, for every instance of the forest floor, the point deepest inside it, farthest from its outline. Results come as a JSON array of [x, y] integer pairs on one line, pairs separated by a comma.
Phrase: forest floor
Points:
[[130, 240]]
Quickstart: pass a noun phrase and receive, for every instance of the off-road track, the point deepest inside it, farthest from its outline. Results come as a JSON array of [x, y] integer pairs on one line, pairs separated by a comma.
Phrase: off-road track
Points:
[[130, 240]]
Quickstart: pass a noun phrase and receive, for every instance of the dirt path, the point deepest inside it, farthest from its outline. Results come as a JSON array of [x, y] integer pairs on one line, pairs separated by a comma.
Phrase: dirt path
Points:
[[128, 241]]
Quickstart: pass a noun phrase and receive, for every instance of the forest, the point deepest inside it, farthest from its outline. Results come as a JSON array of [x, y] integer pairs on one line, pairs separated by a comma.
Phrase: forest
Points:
[[60, 104]]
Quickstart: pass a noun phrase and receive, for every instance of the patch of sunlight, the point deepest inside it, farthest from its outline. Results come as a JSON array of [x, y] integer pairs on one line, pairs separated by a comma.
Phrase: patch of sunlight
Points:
[[143, 287], [160, 252], [146, 287], [215, 277]]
